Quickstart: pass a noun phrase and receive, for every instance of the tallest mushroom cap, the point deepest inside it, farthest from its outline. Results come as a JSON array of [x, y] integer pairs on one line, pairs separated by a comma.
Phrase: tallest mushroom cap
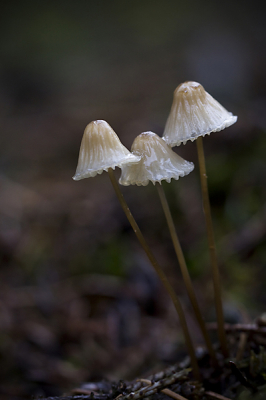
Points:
[[100, 150], [194, 113]]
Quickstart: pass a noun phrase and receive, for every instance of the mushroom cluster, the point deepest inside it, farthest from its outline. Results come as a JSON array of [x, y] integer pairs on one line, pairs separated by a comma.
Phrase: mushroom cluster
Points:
[[194, 114]]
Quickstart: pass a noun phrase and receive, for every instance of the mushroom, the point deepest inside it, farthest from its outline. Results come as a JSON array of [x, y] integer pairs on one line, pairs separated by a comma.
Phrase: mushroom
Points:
[[159, 162], [195, 113], [101, 150]]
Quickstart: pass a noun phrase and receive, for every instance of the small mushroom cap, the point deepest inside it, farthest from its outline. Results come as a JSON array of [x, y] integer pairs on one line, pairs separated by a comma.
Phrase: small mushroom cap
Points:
[[158, 162], [194, 113], [100, 150]]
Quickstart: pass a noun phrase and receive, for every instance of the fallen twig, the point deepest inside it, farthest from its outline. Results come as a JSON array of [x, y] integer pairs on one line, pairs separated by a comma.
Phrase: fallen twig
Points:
[[213, 395], [168, 392], [156, 386], [251, 328]]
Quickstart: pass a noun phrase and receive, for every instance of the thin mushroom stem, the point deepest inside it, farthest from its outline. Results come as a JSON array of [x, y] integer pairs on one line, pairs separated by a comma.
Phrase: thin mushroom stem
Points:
[[160, 273], [212, 248], [185, 273]]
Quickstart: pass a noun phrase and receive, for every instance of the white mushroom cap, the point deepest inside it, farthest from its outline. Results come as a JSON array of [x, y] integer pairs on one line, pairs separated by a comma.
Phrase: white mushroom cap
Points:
[[100, 150], [194, 113], [158, 162]]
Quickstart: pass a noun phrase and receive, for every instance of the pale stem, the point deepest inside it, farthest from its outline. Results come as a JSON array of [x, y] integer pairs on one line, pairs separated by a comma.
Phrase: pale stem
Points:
[[212, 248], [184, 271], [160, 273]]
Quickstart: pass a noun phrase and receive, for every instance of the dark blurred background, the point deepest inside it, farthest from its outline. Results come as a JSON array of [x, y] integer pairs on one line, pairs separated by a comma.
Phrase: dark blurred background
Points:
[[78, 298]]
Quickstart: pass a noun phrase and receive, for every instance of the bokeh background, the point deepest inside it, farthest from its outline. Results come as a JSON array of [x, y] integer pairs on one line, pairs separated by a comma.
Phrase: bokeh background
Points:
[[78, 298]]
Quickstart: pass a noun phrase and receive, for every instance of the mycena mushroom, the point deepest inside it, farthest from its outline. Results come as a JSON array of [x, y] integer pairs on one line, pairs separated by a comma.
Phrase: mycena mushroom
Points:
[[195, 113], [101, 150], [159, 162]]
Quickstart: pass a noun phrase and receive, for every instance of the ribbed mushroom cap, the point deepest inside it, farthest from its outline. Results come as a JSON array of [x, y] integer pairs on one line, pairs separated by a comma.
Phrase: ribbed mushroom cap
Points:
[[194, 113], [101, 149], [158, 162]]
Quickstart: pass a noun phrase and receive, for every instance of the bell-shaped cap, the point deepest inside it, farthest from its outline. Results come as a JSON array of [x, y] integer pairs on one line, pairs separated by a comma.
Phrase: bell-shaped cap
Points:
[[194, 113], [100, 150], [158, 162]]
